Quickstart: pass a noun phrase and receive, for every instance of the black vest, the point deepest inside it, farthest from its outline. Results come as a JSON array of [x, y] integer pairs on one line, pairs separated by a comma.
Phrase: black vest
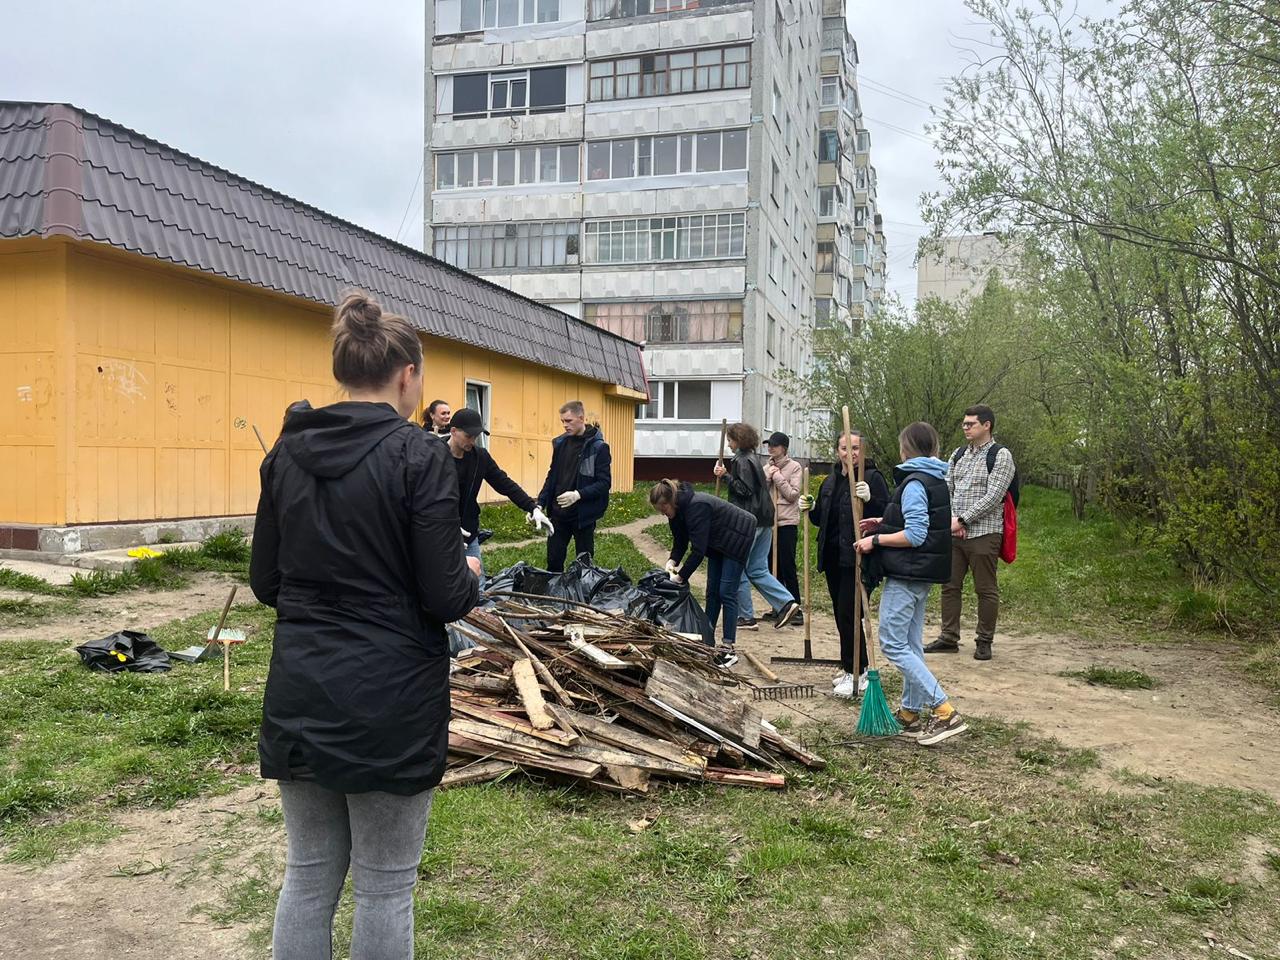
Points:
[[931, 561]]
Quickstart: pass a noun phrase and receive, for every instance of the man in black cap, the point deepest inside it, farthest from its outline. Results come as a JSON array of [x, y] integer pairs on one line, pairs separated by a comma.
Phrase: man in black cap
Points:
[[476, 466]]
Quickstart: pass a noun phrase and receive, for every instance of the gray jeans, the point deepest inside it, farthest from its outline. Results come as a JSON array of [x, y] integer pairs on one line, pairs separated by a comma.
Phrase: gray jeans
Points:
[[380, 836]]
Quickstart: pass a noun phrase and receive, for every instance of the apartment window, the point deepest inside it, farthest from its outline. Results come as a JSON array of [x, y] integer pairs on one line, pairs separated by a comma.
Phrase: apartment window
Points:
[[648, 239], [497, 245], [487, 14], [504, 167], [677, 400], [775, 182], [822, 312], [833, 33], [830, 91], [670, 321], [510, 93], [768, 412], [771, 345], [860, 254], [828, 146], [666, 155], [860, 216], [655, 75], [774, 271], [857, 291], [828, 197], [777, 106], [619, 9], [826, 260], [786, 203], [860, 178], [778, 22], [864, 141]]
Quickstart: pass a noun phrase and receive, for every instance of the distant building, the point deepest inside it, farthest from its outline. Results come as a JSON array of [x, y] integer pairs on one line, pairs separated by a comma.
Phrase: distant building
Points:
[[957, 268], [694, 174]]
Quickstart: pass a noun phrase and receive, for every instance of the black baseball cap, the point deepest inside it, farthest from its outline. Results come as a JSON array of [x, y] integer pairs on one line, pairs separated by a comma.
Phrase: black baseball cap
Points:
[[469, 422], [779, 439]]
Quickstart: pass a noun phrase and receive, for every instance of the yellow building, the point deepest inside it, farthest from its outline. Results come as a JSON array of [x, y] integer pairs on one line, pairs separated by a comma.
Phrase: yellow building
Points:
[[154, 309]]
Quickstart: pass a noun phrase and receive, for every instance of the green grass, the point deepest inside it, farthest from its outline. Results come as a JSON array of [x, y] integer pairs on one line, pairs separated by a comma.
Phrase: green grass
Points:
[[509, 524], [1100, 676], [869, 858], [27, 583], [77, 744]]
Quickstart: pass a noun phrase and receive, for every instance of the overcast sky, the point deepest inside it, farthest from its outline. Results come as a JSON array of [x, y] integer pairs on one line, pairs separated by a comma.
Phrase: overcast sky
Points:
[[323, 100]]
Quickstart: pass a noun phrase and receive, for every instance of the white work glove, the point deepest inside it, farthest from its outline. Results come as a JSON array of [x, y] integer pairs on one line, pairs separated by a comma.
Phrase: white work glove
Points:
[[466, 535], [539, 520], [805, 502], [670, 566], [862, 491], [568, 499], [675, 577]]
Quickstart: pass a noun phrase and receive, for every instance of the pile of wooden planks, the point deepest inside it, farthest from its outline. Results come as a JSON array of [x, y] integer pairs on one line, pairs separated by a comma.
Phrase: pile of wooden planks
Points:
[[557, 691]]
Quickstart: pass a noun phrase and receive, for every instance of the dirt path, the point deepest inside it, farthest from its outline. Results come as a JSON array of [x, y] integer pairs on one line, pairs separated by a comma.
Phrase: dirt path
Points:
[[132, 610], [90, 907]]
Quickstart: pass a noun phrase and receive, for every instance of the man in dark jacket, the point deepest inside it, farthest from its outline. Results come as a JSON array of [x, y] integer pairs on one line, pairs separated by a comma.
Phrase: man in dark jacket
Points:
[[576, 492], [358, 692], [477, 466]]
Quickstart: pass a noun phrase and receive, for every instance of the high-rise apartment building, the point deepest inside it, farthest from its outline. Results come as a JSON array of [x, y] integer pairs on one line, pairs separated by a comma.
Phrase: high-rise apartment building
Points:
[[691, 174], [956, 269]]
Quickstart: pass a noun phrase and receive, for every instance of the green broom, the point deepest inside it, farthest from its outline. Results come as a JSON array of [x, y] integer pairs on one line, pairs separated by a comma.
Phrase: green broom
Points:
[[876, 718]]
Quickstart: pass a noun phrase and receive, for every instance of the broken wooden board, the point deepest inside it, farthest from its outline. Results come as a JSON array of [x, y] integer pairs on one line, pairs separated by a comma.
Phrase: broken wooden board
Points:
[[620, 736], [709, 703], [482, 771], [530, 693], [605, 661]]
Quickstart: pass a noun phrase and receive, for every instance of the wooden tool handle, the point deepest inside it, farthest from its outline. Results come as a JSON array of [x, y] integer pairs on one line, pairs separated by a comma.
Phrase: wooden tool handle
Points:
[[724, 426], [761, 668], [262, 443], [808, 610], [226, 647]]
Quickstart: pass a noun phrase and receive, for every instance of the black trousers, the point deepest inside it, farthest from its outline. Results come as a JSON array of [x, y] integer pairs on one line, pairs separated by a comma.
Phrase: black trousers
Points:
[[558, 544], [842, 584], [787, 560]]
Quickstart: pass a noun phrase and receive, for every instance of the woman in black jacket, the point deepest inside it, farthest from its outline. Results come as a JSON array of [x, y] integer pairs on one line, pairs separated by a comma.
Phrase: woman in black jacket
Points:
[[832, 514], [356, 545], [707, 526], [749, 490]]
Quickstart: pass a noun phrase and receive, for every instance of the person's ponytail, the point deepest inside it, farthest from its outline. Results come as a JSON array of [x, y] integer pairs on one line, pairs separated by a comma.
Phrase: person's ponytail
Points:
[[663, 492]]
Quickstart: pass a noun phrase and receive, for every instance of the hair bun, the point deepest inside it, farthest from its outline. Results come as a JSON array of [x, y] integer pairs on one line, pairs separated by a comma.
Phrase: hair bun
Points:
[[361, 316]]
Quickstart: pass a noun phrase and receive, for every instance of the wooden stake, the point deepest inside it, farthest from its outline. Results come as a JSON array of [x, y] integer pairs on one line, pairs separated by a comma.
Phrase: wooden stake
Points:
[[724, 426], [226, 647], [856, 506], [808, 610]]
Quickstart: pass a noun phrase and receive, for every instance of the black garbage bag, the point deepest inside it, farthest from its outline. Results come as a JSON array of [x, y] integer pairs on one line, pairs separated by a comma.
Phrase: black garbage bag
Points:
[[126, 650], [583, 581], [520, 578], [673, 606]]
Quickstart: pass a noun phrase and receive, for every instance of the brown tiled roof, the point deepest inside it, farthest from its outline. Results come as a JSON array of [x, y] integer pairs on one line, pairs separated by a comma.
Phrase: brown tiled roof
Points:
[[67, 172]]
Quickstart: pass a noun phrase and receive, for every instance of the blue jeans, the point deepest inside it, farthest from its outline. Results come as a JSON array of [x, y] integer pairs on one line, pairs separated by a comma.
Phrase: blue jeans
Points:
[[379, 836], [757, 573], [473, 548], [902, 640], [723, 576]]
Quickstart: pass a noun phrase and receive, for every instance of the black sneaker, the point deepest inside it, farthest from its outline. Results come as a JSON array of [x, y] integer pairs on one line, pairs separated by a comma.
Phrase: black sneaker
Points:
[[767, 615], [786, 614], [748, 623], [983, 650], [942, 646], [798, 619], [937, 729], [725, 658]]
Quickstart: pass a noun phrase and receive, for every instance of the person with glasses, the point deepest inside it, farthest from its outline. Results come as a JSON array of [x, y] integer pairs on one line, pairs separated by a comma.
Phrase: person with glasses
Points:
[[978, 481]]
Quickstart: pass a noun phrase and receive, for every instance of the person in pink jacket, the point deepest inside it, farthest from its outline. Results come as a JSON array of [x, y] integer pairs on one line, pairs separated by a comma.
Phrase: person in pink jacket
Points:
[[786, 479]]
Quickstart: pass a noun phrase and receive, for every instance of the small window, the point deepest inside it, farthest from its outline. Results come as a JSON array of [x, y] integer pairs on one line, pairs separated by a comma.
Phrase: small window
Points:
[[708, 152], [827, 201], [734, 150], [568, 162], [478, 400], [830, 91], [828, 146], [664, 155], [775, 182]]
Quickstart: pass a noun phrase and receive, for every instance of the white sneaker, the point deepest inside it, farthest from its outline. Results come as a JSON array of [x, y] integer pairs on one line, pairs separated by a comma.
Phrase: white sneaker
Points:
[[845, 687], [839, 678], [862, 683]]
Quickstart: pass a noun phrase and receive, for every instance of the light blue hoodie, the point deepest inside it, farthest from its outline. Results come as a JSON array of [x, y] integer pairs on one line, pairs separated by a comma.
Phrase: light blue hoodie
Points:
[[915, 502]]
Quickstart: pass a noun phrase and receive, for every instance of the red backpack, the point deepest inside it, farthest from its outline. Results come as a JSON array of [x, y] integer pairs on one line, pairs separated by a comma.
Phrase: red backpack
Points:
[[1009, 545]]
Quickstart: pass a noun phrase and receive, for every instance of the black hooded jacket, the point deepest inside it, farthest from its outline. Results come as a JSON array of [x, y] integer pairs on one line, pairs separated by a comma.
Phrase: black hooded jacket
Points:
[[832, 512], [356, 545]]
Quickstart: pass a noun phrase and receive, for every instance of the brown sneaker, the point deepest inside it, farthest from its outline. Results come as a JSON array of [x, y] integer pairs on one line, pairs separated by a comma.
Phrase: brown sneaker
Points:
[[911, 729], [942, 646], [937, 729]]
